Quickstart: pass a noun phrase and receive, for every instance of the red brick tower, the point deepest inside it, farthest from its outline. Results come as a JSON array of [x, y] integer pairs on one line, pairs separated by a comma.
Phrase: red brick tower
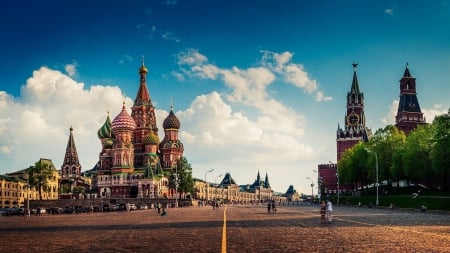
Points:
[[71, 168], [409, 114], [143, 114], [171, 147], [355, 129]]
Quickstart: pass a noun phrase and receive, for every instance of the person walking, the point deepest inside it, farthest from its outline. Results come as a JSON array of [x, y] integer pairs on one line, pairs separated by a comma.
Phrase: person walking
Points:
[[269, 207], [329, 211], [323, 209]]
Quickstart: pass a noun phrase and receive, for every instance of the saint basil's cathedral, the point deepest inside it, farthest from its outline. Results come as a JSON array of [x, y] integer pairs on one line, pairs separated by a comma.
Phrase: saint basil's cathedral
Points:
[[131, 156]]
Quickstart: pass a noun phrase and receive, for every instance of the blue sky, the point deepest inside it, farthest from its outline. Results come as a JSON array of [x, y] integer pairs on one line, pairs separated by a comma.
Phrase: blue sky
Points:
[[258, 85]]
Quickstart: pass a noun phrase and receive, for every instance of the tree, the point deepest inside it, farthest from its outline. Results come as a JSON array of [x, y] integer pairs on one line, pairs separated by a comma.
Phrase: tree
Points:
[[40, 174], [385, 142], [441, 151], [417, 155], [182, 175]]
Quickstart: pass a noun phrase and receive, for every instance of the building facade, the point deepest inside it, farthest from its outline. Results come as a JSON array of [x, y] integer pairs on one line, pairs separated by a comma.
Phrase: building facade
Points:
[[132, 161], [15, 189]]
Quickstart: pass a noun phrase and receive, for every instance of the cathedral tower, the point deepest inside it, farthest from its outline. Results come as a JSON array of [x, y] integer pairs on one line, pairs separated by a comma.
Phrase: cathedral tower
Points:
[[171, 147], [409, 114], [71, 168], [355, 129], [123, 149], [143, 114]]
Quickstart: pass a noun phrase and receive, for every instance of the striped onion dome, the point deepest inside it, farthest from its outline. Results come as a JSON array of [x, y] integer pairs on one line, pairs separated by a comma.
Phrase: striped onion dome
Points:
[[123, 121], [105, 131], [151, 139]]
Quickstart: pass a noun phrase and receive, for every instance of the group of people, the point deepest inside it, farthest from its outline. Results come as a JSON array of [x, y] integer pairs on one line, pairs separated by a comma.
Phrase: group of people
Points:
[[271, 207], [325, 212]]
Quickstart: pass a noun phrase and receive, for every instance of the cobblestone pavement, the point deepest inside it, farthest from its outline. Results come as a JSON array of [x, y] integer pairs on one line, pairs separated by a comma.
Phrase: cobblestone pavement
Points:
[[248, 229]]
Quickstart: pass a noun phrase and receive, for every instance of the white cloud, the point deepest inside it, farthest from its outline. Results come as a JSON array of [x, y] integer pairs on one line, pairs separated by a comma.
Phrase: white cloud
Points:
[[431, 113], [269, 137], [170, 36], [321, 97], [38, 123], [389, 11], [191, 57], [125, 58], [389, 118], [71, 69], [291, 72]]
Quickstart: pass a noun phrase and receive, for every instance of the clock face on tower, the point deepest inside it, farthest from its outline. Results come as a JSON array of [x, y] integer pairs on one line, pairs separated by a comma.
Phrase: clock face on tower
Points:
[[352, 119]]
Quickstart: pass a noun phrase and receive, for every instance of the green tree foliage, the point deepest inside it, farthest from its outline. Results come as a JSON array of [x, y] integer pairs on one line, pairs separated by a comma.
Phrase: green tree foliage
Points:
[[441, 152], [39, 175], [422, 157], [417, 155], [385, 142], [182, 173]]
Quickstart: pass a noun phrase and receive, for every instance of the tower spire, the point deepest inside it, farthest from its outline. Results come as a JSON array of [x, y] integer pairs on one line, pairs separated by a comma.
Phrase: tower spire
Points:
[[71, 167]]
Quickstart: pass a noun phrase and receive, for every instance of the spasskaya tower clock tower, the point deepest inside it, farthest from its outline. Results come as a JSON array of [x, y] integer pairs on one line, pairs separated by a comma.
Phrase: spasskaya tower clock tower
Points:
[[354, 129]]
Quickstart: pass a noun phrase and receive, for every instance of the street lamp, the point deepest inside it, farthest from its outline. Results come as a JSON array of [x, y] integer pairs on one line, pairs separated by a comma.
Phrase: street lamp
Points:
[[312, 188], [318, 184], [215, 183], [337, 177], [28, 195], [376, 170], [209, 171]]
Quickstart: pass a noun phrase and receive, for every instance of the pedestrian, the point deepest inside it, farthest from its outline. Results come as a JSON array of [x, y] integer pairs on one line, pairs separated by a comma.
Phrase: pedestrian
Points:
[[274, 209], [269, 207], [323, 209], [329, 211], [158, 207]]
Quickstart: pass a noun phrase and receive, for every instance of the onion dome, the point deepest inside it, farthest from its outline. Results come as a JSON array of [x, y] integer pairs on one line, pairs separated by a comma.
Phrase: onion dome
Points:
[[105, 130], [151, 139], [143, 68], [171, 122], [123, 121], [109, 143]]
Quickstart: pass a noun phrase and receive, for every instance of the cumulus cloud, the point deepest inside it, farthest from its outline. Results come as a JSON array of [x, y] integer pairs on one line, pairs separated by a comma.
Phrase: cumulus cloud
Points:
[[71, 69], [268, 137], [37, 124], [431, 113]]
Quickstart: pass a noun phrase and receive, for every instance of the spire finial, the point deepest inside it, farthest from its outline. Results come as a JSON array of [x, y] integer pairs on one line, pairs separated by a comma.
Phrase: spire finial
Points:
[[142, 60], [355, 65], [171, 104]]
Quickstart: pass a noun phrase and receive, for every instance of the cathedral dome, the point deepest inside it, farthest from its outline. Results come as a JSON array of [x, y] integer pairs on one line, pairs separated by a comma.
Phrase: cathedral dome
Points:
[[143, 69], [171, 122], [151, 139], [105, 130], [109, 143], [123, 121]]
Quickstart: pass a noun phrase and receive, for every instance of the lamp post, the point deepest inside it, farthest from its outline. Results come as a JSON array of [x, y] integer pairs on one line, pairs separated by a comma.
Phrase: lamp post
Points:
[[312, 188], [28, 195], [376, 171], [318, 184], [215, 183], [206, 183]]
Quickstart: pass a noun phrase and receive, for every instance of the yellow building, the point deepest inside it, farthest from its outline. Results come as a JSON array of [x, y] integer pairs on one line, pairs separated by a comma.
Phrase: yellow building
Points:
[[14, 191], [229, 192]]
